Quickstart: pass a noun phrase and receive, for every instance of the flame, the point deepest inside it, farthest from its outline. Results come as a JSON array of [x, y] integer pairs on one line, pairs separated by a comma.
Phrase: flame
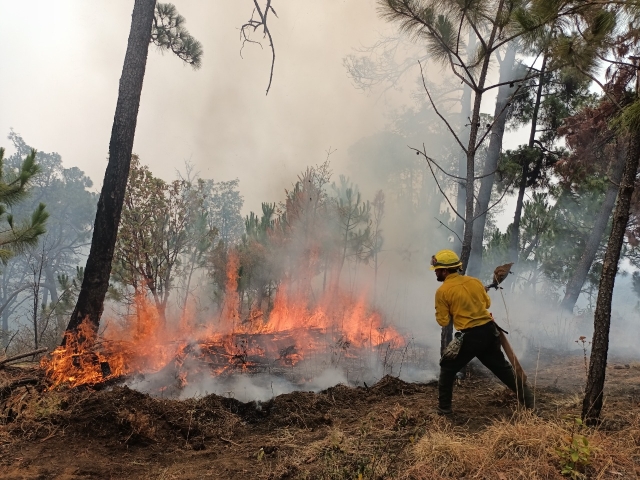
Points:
[[295, 329]]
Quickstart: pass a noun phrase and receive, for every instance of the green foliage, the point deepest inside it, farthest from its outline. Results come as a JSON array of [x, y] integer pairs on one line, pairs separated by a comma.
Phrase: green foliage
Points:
[[14, 188], [71, 207], [581, 42], [554, 229], [575, 453], [444, 39], [161, 223], [629, 119], [169, 33], [353, 217], [315, 231], [70, 287], [223, 205]]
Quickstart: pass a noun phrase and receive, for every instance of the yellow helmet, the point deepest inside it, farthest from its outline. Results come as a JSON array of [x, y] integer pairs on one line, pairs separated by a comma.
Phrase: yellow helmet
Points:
[[445, 259]]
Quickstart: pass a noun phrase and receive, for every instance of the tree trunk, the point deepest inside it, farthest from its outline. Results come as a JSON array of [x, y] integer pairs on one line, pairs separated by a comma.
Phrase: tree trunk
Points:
[[50, 279], [515, 230], [461, 194], [575, 283], [472, 148], [465, 121], [592, 404], [192, 267], [447, 332], [446, 335], [90, 302], [514, 240], [5, 329], [491, 163]]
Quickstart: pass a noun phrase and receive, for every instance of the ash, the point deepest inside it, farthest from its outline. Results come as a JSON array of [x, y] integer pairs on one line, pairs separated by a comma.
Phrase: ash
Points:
[[260, 379]]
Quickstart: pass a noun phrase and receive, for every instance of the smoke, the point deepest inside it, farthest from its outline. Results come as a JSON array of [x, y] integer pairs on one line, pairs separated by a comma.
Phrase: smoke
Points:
[[261, 387], [217, 117], [220, 119]]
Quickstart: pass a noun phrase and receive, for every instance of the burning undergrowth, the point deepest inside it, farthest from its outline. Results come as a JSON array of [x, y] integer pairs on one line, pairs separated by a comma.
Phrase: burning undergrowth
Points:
[[284, 319], [294, 348]]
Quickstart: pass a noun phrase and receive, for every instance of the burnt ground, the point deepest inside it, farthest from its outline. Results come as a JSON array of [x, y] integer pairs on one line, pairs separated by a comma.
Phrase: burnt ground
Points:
[[343, 432]]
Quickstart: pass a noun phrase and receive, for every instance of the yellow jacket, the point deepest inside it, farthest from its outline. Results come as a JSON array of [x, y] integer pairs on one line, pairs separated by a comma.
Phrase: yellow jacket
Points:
[[465, 300]]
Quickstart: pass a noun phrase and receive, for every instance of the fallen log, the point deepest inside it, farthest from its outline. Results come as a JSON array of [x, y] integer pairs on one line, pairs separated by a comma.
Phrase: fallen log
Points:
[[22, 355], [6, 390]]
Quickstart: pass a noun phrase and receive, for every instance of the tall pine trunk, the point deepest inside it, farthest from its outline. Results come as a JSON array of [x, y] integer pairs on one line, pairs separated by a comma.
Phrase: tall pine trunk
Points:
[[469, 168], [90, 302], [575, 283], [491, 163], [592, 404], [473, 147], [447, 332], [514, 242], [465, 119]]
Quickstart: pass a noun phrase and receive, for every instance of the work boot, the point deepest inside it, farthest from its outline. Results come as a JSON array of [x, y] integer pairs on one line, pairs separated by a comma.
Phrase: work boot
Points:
[[444, 411]]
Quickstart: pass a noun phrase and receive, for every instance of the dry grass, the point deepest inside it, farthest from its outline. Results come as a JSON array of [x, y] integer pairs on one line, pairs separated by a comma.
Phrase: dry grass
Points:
[[524, 447]]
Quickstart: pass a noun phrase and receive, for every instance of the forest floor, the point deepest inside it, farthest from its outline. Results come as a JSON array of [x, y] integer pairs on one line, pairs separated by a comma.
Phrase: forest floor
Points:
[[388, 430]]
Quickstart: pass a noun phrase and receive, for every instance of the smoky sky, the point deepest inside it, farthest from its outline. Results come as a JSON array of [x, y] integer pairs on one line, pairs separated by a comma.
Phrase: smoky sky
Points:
[[62, 60]]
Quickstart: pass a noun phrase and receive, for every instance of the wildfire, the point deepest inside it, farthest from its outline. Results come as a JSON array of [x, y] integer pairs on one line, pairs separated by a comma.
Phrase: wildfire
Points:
[[293, 332]]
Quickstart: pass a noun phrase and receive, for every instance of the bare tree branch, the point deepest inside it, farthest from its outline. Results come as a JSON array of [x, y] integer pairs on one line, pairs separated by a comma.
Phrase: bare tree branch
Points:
[[491, 206], [455, 177], [447, 227], [252, 25], [440, 188], [424, 83]]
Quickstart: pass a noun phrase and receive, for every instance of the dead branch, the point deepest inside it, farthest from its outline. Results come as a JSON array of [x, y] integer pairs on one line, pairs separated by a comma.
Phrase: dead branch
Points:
[[447, 227], [424, 84], [455, 177], [440, 188], [252, 25], [230, 441], [7, 390], [22, 355], [491, 206]]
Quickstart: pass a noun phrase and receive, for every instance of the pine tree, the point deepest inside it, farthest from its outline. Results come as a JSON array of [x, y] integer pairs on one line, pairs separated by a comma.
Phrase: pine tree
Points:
[[161, 25], [14, 188]]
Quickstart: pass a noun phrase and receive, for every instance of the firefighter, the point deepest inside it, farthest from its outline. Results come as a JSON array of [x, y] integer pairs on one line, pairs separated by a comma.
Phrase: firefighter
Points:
[[464, 301]]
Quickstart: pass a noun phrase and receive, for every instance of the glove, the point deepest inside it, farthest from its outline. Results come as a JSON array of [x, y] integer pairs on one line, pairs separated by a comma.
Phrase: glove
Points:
[[453, 349]]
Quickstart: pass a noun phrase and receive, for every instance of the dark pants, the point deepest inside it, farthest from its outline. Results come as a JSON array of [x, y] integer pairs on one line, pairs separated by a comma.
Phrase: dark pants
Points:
[[482, 342]]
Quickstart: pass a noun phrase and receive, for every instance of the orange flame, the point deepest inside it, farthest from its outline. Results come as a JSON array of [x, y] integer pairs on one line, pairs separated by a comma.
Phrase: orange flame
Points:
[[294, 330]]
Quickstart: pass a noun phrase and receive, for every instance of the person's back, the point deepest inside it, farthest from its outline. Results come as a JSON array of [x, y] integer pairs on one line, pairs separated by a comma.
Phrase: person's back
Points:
[[465, 300]]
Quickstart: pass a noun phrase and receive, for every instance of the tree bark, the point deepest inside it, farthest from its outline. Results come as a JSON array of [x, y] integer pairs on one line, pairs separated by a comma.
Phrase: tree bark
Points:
[[491, 163], [446, 335], [461, 194], [575, 283], [465, 120], [592, 404], [515, 230], [447, 332], [472, 148], [90, 302]]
